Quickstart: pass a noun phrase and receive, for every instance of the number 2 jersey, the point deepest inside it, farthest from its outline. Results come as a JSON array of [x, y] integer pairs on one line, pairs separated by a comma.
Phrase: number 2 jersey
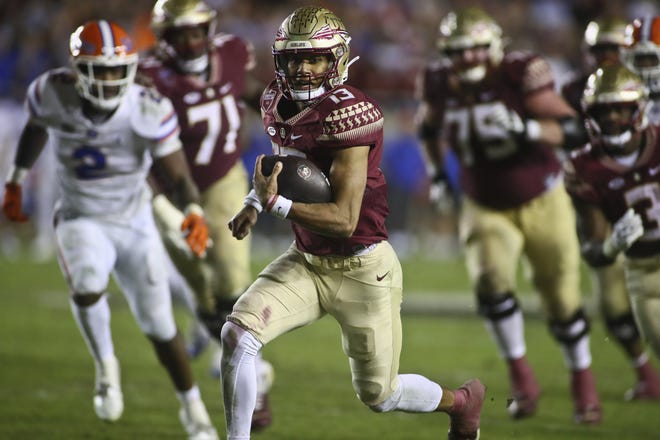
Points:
[[497, 169], [343, 118], [210, 110], [593, 177], [102, 167]]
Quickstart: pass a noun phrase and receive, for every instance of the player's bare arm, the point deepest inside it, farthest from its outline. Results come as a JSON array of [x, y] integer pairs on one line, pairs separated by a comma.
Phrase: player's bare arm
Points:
[[547, 107], [175, 171], [31, 143]]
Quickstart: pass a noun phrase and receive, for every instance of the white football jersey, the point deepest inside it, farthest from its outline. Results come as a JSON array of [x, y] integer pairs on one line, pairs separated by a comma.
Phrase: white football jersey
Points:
[[102, 167]]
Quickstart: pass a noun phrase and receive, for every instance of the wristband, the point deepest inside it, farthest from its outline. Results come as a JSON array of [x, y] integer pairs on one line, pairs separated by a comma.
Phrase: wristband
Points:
[[252, 200], [193, 208], [17, 175], [532, 129], [279, 206]]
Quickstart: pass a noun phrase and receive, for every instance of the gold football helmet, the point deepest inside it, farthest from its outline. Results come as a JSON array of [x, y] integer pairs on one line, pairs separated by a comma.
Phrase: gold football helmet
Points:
[[170, 16], [469, 28], [642, 53], [614, 87], [314, 31], [603, 39]]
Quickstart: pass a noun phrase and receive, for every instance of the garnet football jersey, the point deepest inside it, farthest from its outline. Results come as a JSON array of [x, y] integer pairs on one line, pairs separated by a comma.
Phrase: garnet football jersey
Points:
[[101, 168], [595, 178], [497, 170], [344, 117], [210, 111]]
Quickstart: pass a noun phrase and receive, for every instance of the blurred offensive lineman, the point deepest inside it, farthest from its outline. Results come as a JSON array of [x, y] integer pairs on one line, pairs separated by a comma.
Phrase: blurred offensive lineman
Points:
[[206, 75], [614, 180], [603, 40], [500, 115], [106, 131], [340, 263]]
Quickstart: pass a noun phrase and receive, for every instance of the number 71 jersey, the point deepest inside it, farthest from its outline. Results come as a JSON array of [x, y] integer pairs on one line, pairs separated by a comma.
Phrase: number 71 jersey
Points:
[[210, 110]]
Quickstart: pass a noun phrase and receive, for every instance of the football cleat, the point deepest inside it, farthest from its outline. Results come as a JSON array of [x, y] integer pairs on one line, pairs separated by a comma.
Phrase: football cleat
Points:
[[585, 398], [108, 398], [262, 416], [196, 421], [464, 421], [647, 386], [525, 389]]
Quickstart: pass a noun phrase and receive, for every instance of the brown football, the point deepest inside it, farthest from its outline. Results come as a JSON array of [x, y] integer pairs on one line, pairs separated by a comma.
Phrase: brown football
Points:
[[300, 179]]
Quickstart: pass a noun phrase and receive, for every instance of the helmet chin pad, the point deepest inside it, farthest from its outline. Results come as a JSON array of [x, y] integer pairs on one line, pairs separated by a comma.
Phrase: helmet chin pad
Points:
[[473, 74]]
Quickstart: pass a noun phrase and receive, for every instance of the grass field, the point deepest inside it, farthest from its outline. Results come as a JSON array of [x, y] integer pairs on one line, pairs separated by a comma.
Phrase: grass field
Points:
[[46, 374]]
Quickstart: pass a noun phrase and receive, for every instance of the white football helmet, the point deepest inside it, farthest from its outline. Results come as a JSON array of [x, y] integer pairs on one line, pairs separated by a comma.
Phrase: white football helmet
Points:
[[101, 45], [171, 16], [315, 31], [608, 87], [467, 29], [642, 52]]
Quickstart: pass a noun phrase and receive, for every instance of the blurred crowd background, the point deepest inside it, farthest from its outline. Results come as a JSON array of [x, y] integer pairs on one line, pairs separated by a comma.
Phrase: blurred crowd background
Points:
[[393, 38]]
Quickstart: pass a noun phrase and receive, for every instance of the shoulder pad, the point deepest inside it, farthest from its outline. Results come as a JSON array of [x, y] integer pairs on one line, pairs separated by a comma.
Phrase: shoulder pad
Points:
[[152, 114]]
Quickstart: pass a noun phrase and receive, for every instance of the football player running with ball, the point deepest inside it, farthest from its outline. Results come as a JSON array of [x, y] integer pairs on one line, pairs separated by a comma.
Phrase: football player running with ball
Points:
[[207, 75], [106, 132], [340, 263], [502, 118], [603, 40]]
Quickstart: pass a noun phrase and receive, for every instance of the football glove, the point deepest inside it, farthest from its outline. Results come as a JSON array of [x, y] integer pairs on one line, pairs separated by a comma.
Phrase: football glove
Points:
[[195, 230], [510, 121], [12, 203], [440, 194], [625, 232]]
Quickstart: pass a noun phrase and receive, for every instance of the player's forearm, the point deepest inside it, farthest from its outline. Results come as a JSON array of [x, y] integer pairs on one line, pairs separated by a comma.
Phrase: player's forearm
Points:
[[30, 145], [324, 219]]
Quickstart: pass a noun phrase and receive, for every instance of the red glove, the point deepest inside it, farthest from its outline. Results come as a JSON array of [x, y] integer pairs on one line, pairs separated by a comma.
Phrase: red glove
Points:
[[195, 230], [11, 205]]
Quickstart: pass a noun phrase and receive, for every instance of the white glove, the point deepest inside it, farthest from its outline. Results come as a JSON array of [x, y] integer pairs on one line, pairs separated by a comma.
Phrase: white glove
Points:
[[440, 195], [509, 120], [625, 232], [169, 219]]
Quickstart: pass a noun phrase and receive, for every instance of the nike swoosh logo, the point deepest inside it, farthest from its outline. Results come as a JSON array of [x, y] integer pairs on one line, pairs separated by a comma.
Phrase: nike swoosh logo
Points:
[[294, 137], [380, 278]]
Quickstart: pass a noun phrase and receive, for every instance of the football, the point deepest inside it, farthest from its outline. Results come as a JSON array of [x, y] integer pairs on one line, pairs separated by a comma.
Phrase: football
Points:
[[300, 179]]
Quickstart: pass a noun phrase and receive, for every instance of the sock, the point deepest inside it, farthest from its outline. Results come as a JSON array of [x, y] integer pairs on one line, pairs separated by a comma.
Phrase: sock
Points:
[[189, 395], [94, 325], [509, 335], [414, 394]]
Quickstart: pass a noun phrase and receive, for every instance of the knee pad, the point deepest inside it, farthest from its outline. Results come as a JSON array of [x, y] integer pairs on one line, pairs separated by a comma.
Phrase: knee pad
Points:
[[572, 330], [624, 329], [496, 307]]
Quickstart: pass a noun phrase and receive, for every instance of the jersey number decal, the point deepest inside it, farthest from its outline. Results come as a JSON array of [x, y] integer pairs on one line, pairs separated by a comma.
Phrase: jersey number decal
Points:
[[341, 95], [649, 196], [494, 142], [211, 113], [92, 162]]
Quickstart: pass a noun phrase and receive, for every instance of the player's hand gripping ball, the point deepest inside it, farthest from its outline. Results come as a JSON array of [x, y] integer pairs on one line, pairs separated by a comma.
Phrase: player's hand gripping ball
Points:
[[300, 179]]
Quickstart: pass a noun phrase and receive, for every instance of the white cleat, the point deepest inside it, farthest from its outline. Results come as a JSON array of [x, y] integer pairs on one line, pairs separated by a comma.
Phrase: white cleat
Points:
[[108, 399], [196, 421]]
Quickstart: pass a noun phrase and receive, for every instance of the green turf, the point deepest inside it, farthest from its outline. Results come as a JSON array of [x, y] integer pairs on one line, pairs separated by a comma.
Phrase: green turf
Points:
[[46, 374]]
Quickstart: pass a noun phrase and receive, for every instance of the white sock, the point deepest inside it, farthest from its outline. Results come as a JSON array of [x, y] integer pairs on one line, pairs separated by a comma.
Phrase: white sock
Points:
[[509, 335], [415, 394], [94, 325], [239, 380], [577, 356], [189, 395]]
